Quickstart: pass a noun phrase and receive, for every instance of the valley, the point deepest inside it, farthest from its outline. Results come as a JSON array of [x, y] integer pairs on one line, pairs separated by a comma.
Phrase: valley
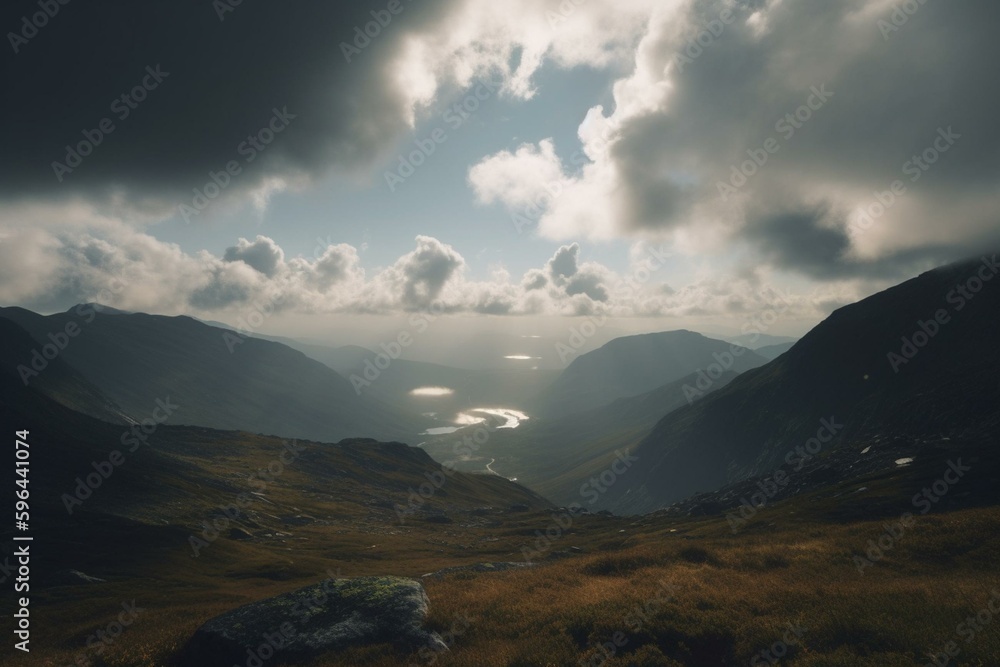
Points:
[[825, 541]]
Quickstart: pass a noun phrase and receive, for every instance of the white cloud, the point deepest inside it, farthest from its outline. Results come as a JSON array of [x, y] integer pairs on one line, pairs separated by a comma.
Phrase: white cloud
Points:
[[515, 38], [697, 100], [519, 179], [131, 270]]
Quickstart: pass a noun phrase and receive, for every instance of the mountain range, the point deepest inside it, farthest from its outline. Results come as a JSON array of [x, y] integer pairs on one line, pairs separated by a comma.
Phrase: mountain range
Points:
[[915, 362], [220, 379]]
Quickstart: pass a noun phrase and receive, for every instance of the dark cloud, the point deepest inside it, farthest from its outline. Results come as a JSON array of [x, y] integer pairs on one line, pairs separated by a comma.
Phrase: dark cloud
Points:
[[220, 82], [800, 241], [263, 254], [425, 271], [563, 264], [589, 284], [699, 105]]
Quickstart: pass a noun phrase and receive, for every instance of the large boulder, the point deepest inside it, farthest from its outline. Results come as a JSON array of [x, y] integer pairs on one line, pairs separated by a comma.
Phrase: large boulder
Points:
[[324, 617]]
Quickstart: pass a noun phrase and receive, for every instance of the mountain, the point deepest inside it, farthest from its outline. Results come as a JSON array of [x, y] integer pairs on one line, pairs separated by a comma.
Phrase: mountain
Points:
[[633, 365], [917, 362], [772, 352], [111, 505], [551, 456], [21, 357], [216, 377], [755, 340]]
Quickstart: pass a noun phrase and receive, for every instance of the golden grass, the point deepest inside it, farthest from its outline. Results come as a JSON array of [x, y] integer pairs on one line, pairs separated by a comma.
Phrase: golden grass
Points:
[[682, 592]]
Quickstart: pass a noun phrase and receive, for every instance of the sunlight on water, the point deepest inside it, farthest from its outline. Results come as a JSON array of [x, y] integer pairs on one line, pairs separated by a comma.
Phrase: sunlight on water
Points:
[[432, 391], [440, 430], [521, 357], [511, 419]]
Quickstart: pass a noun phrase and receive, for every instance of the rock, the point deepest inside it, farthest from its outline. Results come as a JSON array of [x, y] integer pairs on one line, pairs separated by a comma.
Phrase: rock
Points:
[[482, 511], [518, 507], [576, 550], [438, 518], [309, 622], [239, 534]]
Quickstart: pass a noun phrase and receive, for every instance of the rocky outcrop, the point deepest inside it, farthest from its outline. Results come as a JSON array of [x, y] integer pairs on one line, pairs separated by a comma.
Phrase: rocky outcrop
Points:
[[312, 621]]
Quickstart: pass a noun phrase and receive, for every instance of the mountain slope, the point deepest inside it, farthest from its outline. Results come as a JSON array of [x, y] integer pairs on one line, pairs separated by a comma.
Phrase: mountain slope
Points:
[[25, 360], [772, 352], [633, 365], [558, 454], [218, 379], [849, 373]]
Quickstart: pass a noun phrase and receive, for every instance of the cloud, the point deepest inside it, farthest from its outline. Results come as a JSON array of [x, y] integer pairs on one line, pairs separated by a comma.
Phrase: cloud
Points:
[[518, 179], [166, 117], [418, 278], [285, 115], [128, 269], [337, 265], [850, 107], [263, 255], [563, 264]]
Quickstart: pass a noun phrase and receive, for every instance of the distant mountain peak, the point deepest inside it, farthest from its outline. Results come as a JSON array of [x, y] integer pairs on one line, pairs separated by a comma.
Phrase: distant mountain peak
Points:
[[99, 308]]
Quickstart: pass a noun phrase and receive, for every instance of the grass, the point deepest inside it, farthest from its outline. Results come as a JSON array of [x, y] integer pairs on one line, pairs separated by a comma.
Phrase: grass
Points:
[[698, 596], [672, 592]]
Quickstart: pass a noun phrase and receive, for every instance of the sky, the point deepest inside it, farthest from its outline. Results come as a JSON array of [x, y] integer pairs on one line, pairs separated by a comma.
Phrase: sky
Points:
[[518, 166]]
